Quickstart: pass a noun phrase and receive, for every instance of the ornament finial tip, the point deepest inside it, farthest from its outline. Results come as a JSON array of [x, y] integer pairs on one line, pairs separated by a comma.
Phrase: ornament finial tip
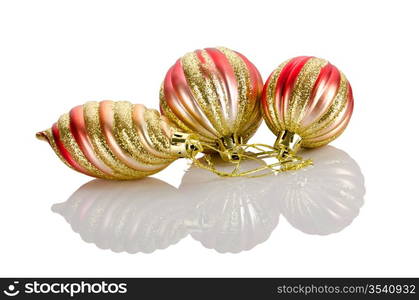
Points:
[[41, 136]]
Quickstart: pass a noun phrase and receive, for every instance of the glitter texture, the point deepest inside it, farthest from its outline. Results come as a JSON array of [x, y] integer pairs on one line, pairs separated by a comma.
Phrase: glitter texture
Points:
[[310, 97], [213, 93], [112, 140]]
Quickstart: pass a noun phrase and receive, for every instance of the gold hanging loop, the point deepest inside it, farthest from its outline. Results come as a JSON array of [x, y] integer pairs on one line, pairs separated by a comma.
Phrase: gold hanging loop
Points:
[[285, 160]]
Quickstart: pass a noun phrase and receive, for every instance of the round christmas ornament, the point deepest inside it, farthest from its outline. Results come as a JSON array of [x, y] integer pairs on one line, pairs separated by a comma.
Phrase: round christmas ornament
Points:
[[306, 102], [117, 140], [214, 93]]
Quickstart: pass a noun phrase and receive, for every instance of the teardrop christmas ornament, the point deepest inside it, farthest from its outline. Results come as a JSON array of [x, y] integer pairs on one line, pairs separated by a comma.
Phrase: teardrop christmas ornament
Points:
[[306, 102], [215, 94], [117, 140]]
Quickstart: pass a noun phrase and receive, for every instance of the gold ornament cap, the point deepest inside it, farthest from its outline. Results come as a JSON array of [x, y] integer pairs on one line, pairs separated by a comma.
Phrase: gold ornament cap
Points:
[[287, 143], [230, 147], [185, 144]]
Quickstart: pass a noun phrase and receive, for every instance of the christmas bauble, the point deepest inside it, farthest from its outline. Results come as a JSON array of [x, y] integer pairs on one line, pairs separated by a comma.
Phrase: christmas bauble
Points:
[[306, 102], [116, 140], [214, 93]]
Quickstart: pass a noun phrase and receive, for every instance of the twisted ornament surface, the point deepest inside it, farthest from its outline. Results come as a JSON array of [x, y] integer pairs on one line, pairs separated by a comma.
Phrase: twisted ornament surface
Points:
[[214, 93], [112, 140], [310, 97]]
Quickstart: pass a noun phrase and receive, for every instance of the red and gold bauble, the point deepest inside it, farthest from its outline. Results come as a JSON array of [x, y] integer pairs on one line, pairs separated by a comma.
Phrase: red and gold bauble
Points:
[[116, 140], [306, 102], [215, 94]]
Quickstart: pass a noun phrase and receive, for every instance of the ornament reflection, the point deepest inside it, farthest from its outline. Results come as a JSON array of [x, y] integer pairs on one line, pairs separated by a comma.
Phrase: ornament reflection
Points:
[[225, 214]]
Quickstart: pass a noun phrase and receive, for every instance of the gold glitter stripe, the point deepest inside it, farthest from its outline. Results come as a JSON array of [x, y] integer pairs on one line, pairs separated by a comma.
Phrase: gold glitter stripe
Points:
[[139, 119], [204, 89], [176, 121], [165, 110], [254, 125], [335, 109], [302, 91], [217, 85], [48, 134], [250, 127], [127, 137], [73, 148], [309, 144], [159, 141], [242, 75], [273, 121], [94, 130]]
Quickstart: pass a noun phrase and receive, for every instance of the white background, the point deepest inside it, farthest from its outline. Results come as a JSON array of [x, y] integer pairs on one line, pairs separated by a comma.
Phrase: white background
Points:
[[57, 54]]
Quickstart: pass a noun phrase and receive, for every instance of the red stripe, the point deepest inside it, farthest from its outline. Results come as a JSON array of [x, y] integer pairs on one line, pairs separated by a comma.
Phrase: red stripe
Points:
[[255, 77], [225, 70], [286, 83], [77, 127], [181, 101], [78, 130], [323, 93], [350, 96], [340, 123], [228, 80], [351, 101], [64, 152], [200, 56]]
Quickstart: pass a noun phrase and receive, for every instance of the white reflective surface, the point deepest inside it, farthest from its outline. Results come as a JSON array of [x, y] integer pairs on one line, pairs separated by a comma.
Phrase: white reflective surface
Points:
[[225, 214]]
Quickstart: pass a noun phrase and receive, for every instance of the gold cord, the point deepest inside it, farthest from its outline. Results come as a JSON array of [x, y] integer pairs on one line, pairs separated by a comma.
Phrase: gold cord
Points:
[[284, 162]]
